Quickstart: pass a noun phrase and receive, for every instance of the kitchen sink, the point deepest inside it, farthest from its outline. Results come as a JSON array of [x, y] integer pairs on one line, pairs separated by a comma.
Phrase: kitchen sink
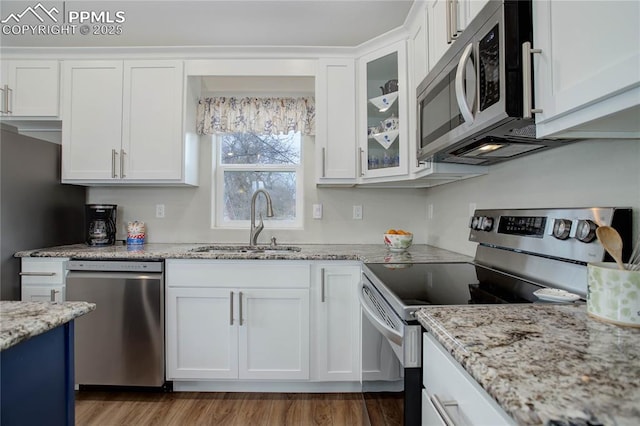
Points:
[[247, 249]]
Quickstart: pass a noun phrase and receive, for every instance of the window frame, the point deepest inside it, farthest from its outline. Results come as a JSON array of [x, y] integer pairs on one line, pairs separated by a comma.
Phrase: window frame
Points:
[[217, 186]]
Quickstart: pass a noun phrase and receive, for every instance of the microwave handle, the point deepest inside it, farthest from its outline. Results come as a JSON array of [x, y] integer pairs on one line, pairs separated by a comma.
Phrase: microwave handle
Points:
[[527, 91], [460, 94]]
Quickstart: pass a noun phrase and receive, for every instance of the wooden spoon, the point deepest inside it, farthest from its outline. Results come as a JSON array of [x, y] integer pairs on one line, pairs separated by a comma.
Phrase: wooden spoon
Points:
[[612, 243]]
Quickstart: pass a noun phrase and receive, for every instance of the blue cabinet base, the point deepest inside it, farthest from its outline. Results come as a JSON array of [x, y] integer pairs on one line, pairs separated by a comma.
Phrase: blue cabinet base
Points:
[[37, 380]]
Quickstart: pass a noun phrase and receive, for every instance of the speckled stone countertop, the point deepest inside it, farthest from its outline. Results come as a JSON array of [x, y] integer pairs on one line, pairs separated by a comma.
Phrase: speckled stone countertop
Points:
[[20, 321], [368, 253], [545, 363]]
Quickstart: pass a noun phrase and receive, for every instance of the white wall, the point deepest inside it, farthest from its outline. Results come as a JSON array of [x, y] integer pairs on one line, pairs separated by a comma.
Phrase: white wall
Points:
[[188, 210], [589, 173], [586, 173]]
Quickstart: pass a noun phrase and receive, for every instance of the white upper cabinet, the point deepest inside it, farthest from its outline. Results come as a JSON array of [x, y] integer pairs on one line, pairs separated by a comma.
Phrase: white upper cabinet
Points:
[[587, 74], [446, 21], [383, 119], [439, 30], [91, 119], [30, 88], [123, 123], [152, 120], [336, 121]]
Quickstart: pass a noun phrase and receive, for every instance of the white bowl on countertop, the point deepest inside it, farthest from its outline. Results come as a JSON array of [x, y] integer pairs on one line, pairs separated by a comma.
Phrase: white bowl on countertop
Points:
[[398, 242]]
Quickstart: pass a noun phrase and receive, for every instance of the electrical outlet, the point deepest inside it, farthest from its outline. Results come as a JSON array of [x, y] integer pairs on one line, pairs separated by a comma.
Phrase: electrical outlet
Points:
[[317, 211], [357, 212], [159, 210]]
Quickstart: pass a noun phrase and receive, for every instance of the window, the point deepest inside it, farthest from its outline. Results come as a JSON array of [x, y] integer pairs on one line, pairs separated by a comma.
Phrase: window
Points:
[[245, 162]]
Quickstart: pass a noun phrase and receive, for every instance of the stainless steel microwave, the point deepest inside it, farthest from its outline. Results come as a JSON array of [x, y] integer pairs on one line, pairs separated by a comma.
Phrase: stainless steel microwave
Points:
[[474, 106]]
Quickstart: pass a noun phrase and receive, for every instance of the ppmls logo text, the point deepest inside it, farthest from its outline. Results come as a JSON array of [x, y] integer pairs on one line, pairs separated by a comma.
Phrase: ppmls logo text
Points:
[[39, 19]]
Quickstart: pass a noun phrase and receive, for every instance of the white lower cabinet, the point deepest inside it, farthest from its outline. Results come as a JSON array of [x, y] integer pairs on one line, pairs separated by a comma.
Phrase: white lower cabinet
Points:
[[336, 322], [43, 279], [451, 393], [201, 341], [237, 320]]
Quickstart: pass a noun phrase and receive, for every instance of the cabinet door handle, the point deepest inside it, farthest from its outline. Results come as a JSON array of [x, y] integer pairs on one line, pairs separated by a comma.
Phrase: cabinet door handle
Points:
[[53, 294], [454, 20], [527, 75], [113, 163], [448, 21], [324, 161], [322, 285], [240, 311], [37, 274], [442, 411], [231, 308], [5, 99], [122, 153], [361, 165]]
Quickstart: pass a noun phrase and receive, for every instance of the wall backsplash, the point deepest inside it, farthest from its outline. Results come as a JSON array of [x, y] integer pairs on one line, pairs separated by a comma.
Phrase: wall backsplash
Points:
[[188, 211], [589, 173]]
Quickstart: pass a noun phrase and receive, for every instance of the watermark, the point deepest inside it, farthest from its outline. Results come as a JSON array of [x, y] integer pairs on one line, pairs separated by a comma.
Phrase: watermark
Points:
[[54, 18]]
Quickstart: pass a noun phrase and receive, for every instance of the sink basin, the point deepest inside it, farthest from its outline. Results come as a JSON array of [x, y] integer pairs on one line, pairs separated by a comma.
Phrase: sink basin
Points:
[[247, 249]]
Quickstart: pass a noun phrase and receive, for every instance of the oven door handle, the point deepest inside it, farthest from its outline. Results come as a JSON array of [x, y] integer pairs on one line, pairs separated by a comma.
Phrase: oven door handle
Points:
[[382, 327]]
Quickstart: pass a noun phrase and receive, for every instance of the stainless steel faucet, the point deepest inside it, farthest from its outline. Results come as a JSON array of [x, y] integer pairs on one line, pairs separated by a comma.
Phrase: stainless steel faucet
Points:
[[255, 230]]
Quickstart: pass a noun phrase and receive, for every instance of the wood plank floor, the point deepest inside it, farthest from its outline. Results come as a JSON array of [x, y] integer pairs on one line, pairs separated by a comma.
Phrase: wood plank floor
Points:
[[234, 409]]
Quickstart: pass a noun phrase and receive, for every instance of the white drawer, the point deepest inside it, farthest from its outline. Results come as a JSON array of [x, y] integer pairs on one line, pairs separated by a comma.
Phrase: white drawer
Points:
[[430, 416], [460, 395], [238, 273], [43, 270]]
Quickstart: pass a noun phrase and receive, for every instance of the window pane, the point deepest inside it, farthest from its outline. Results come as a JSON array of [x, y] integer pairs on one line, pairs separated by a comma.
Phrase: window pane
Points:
[[249, 148], [240, 186]]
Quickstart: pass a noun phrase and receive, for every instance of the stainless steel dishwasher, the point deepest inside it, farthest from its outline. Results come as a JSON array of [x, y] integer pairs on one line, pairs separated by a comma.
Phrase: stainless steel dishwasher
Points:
[[121, 343]]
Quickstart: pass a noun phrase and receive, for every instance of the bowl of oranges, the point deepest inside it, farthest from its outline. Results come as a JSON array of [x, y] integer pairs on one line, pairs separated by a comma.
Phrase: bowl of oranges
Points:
[[398, 239]]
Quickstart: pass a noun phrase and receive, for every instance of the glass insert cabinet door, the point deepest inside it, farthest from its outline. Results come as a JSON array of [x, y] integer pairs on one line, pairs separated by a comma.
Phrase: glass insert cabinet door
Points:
[[384, 150]]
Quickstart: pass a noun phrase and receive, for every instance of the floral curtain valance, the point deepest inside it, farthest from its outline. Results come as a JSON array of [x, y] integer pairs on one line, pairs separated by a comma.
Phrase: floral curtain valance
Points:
[[258, 115]]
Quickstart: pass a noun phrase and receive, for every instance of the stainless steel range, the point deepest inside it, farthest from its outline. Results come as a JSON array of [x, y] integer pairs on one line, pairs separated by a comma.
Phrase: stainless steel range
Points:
[[520, 253]]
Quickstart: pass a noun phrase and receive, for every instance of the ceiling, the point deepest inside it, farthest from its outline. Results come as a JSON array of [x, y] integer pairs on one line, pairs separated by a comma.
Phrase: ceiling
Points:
[[338, 23]]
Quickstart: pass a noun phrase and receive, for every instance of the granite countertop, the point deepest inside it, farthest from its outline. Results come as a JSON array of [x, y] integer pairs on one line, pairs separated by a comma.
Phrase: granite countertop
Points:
[[368, 253], [20, 321], [545, 363]]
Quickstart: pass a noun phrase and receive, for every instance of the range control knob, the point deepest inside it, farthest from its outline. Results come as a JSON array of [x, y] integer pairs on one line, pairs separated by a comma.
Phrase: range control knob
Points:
[[562, 228], [486, 224], [586, 231], [475, 222]]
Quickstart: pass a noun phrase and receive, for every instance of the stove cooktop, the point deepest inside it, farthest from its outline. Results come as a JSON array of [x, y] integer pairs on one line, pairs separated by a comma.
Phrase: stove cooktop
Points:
[[418, 284]]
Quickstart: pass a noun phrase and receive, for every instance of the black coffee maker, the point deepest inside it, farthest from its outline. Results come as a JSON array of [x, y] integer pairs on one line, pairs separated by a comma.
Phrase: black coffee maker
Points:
[[101, 224]]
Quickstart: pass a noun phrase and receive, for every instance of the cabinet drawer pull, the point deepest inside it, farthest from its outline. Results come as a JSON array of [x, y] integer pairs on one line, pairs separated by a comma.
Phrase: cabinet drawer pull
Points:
[[240, 310], [37, 274], [442, 411], [231, 308]]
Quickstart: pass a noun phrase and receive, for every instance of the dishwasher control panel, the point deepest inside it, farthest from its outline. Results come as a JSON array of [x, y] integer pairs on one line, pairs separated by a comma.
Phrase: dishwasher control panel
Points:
[[115, 265]]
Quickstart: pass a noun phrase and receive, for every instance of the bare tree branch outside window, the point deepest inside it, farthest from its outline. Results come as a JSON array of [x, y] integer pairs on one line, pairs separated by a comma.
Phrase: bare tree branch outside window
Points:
[[265, 153]]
